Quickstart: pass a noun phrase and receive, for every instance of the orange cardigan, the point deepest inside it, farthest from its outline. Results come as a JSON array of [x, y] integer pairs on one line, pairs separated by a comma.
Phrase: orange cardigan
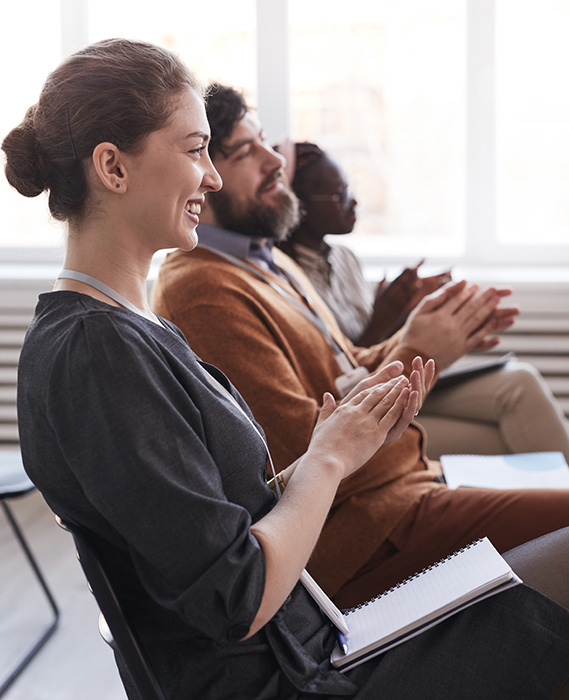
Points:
[[282, 365]]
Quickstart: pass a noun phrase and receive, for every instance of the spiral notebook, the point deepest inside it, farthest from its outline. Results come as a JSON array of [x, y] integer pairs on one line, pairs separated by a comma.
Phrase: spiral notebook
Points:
[[422, 601]]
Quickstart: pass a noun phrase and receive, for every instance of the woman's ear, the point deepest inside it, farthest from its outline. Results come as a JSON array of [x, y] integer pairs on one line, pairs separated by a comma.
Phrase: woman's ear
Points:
[[109, 166]]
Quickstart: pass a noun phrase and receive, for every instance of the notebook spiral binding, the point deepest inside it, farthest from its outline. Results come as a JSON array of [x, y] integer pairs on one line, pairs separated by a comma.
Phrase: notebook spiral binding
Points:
[[412, 577]]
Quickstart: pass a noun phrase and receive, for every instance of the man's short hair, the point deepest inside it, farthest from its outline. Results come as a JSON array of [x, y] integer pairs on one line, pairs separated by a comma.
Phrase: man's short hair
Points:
[[225, 106]]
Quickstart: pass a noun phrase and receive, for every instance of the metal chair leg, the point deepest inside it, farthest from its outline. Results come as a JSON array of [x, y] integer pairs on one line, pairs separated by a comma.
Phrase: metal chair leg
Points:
[[48, 631]]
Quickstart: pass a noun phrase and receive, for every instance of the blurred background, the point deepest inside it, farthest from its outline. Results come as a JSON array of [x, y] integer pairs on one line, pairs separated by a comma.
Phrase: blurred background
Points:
[[449, 116]]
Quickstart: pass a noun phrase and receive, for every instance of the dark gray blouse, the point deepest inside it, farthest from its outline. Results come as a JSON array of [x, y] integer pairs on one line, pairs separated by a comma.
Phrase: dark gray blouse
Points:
[[122, 434]]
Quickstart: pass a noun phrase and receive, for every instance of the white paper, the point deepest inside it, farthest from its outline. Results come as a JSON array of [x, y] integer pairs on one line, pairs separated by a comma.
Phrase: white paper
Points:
[[529, 470], [422, 601]]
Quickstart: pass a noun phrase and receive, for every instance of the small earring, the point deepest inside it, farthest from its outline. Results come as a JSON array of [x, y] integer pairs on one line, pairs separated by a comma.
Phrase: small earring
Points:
[[117, 185]]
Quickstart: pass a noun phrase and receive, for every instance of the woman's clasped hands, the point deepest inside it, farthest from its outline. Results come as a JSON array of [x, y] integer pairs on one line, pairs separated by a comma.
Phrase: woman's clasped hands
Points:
[[376, 411]]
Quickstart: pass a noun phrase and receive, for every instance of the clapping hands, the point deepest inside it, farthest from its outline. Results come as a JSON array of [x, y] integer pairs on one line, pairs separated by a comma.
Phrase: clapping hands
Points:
[[396, 299], [457, 319], [376, 411]]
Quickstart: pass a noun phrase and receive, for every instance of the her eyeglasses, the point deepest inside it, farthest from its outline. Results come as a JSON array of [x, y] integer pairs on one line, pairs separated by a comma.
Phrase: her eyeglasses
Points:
[[344, 197]]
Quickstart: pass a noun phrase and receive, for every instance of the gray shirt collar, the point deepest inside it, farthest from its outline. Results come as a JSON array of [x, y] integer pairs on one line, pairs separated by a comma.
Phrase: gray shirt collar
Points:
[[256, 249]]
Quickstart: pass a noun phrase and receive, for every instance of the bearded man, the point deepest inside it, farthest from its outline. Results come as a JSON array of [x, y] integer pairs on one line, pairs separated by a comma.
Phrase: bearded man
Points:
[[250, 310]]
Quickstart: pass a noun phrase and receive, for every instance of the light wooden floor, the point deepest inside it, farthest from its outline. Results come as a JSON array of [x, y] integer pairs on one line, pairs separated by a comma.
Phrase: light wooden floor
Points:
[[75, 663]]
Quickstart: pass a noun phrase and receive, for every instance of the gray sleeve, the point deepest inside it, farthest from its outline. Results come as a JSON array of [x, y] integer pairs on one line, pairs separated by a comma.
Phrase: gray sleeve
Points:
[[134, 439]]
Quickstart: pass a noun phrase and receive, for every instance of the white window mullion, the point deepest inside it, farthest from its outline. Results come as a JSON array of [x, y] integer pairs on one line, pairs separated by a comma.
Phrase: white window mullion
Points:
[[74, 25], [480, 224], [273, 68]]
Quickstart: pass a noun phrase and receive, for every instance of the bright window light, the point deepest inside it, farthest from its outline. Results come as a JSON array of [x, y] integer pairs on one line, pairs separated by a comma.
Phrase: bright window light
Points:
[[382, 88], [28, 51], [532, 122]]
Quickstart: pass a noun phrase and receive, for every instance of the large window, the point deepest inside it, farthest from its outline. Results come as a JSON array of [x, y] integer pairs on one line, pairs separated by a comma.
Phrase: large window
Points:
[[450, 116], [217, 40], [532, 122], [28, 50], [219, 44], [382, 88]]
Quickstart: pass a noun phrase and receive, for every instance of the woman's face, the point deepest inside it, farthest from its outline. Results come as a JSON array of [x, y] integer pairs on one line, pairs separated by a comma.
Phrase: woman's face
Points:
[[328, 202], [168, 180]]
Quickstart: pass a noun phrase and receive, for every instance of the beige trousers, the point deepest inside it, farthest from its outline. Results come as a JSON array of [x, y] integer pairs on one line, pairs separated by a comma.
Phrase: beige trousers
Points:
[[511, 409]]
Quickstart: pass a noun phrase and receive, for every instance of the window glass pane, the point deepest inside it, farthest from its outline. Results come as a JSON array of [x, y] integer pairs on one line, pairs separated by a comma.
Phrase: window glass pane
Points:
[[222, 50], [217, 41], [381, 87], [28, 51], [532, 121]]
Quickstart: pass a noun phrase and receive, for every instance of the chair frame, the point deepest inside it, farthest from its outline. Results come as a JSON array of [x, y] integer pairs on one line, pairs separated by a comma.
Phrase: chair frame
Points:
[[50, 629], [123, 638]]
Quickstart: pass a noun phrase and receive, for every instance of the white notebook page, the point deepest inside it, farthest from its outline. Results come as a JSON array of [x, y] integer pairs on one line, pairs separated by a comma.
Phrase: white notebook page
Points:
[[426, 597]]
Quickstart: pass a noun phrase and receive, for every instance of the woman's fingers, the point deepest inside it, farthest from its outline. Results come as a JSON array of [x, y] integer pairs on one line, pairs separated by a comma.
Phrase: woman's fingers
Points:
[[417, 379], [380, 400], [374, 395], [460, 305], [479, 310], [398, 417], [393, 369], [409, 411], [422, 377], [394, 403], [430, 371], [504, 317], [500, 319]]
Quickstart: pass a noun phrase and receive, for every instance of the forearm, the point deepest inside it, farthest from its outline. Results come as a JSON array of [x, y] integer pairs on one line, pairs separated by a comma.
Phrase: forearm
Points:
[[288, 534], [390, 350]]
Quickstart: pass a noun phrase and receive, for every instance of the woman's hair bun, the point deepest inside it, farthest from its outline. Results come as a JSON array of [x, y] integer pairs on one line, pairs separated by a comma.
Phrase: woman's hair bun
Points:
[[23, 160], [115, 91]]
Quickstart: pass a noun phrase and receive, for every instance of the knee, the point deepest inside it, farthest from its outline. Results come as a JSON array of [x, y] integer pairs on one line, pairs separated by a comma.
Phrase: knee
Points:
[[523, 380]]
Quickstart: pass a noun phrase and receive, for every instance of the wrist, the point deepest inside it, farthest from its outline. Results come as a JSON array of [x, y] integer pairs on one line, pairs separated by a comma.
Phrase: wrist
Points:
[[325, 465]]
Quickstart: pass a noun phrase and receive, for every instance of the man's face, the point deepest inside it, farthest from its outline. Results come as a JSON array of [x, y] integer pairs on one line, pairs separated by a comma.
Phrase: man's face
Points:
[[256, 199]]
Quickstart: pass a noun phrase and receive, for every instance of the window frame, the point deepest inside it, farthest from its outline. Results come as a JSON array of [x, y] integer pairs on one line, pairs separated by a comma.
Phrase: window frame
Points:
[[481, 247]]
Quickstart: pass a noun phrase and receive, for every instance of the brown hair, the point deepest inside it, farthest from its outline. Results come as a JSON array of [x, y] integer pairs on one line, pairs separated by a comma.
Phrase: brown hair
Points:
[[225, 106], [115, 90]]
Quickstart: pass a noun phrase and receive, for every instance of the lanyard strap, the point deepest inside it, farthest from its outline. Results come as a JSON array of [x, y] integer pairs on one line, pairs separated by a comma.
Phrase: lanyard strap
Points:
[[308, 311], [101, 287]]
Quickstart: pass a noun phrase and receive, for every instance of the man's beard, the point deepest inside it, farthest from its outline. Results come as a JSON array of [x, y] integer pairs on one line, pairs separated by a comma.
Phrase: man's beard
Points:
[[258, 219]]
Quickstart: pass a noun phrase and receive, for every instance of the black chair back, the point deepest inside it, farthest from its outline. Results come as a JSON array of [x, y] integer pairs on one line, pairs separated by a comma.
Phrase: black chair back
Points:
[[124, 639]]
